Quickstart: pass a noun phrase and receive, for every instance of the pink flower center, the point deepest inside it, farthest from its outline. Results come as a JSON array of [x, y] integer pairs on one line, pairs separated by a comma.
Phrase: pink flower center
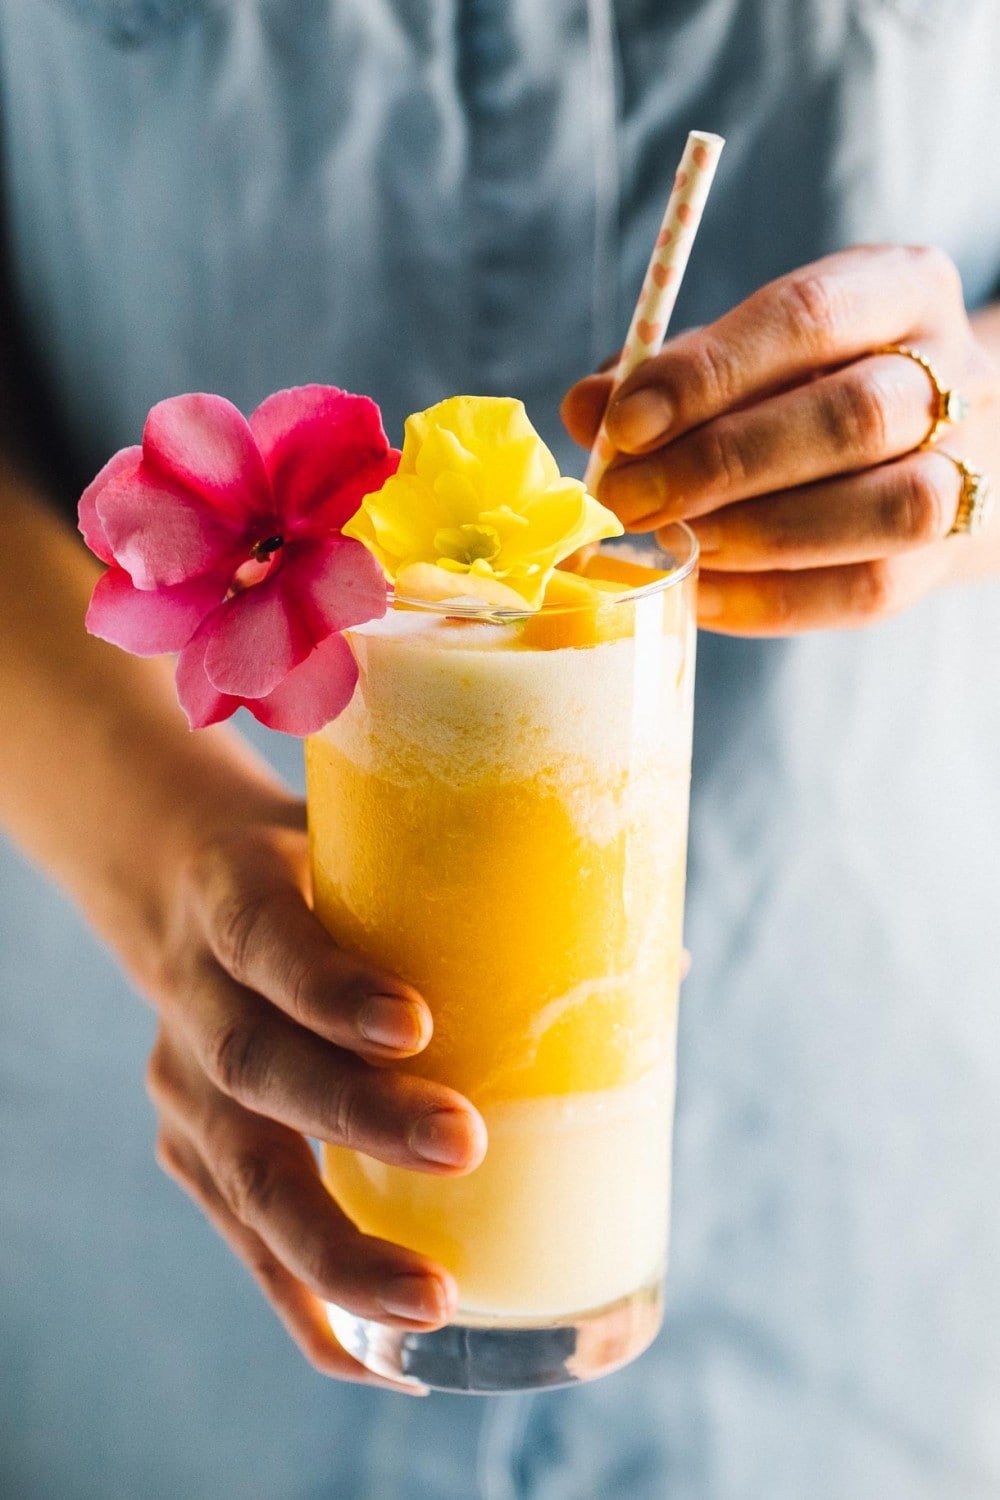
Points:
[[264, 559]]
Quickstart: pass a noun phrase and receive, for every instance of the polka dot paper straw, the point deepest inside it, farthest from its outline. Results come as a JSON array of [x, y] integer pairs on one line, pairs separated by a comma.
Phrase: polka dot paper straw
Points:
[[663, 278]]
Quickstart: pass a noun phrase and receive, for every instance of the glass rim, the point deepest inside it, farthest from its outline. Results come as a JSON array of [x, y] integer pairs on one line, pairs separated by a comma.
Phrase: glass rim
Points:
[[474, 609]]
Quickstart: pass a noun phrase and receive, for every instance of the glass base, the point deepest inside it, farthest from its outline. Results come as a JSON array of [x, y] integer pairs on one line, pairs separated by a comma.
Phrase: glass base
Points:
[[485, 1356]]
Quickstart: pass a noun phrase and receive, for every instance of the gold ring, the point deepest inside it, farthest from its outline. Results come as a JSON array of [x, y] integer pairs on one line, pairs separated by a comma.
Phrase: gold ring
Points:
[[949, 406], [975, 501]]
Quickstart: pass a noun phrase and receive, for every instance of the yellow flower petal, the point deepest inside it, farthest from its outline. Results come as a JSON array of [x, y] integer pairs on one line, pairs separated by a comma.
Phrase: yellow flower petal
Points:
[[435, 585], [392, 522], [458, 491], [478, 494], [442, 453]]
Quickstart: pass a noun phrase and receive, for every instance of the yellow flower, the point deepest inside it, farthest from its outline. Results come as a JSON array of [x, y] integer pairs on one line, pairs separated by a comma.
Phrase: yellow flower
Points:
[[478, 507]]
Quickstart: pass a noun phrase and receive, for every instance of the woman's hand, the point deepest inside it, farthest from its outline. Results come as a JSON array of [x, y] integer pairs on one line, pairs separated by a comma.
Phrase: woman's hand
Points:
[[190, 860], [270, 1033], [791, 444]]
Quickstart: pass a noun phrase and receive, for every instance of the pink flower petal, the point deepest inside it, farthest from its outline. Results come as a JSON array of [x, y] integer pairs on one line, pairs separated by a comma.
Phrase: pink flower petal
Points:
[[203, 444], [91, 525], [202, 703], [332, 583], [256, 639], [324, 450], [316, 691], [312, 694], [148, 622], [160, 534], [267, 630]]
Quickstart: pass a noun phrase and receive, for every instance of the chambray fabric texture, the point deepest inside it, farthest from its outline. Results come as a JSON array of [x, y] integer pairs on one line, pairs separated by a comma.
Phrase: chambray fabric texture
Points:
[[414, 197]]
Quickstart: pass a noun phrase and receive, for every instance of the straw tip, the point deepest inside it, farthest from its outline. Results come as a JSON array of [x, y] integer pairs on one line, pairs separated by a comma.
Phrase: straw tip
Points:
[[707, 138]]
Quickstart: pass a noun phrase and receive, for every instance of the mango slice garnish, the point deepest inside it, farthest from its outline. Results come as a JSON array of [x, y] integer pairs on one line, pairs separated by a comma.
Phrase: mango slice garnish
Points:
[[580, 609]]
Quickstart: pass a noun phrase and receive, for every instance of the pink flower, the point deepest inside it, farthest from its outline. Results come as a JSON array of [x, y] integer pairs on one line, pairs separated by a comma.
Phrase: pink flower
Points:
[[223, 539]]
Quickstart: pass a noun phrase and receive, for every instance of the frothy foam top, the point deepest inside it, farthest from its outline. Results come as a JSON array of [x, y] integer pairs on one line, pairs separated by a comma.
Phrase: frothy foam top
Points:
[[435, 697]]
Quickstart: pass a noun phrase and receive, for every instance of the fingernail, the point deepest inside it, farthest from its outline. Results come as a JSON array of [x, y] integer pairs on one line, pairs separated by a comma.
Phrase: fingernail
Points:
[[421, 1298], [711, 601], [448, 1137], [639, 418], [709, 536], [390, 1021]]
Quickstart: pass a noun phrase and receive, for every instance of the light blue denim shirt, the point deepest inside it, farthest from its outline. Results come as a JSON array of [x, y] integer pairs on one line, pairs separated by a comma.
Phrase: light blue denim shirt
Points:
[[414, 197]]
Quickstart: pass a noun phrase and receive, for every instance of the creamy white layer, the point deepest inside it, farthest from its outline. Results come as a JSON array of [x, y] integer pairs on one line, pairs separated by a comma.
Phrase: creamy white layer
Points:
[[568, 1211], [460, 694]]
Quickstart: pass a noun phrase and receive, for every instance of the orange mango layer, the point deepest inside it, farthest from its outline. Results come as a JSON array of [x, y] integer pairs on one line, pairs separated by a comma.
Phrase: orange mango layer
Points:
[[511, 923]]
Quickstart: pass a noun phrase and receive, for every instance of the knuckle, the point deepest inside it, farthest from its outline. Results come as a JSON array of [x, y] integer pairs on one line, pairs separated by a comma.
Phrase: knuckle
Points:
[[237, 927], [269, 1272], [919, 504], [776, 532], [166, 1156], [812, 308], [348, 1110], [781, 601], [157, 1073], [327, 1269], [304, 989], [874, 589], [248, 1184], [853, 412], [938, 268], [721, 458], [233, 1056], [712, 372], [206, 870]]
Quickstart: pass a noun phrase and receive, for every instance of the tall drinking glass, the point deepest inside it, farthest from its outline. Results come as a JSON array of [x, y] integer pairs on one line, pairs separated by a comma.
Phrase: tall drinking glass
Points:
[[500, 816]]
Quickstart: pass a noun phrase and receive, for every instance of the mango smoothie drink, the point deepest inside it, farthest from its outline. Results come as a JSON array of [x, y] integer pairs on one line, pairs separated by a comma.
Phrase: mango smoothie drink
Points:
[[500, 816], [495, 690]]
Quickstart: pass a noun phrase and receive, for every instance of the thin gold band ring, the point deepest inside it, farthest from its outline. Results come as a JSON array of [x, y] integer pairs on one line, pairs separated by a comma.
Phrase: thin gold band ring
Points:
[[949, 406]]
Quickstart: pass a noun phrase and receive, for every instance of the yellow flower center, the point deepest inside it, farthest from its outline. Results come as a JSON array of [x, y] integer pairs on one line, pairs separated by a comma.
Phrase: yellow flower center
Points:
[[467, 544]]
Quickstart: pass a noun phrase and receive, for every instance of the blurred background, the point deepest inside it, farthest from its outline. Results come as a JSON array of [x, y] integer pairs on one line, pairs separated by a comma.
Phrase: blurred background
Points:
[[412, 199]]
